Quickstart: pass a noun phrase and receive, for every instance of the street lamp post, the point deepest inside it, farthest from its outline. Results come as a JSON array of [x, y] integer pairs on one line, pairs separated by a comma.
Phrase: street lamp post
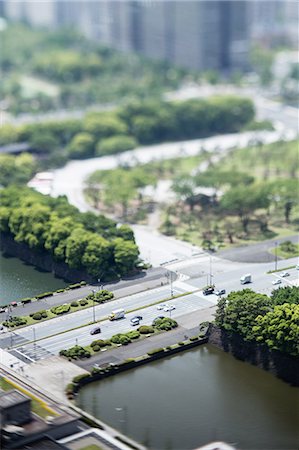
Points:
[[169, 276], [93, 307]]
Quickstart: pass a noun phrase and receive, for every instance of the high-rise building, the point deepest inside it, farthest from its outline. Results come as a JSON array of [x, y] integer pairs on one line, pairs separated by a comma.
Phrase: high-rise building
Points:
[[196, 34]]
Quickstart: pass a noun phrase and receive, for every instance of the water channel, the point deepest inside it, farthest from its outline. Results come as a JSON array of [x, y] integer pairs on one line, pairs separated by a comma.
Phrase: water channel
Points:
[[196, 397], [19, 280]]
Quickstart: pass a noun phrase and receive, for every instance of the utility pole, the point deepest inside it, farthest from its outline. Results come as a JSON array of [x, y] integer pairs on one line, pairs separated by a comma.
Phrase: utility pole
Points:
[[93, 306]]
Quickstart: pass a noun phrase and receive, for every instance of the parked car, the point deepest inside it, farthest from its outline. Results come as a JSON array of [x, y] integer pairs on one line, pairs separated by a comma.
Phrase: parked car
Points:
[[284, 274], [161, 306], [135, 320], [14, 303], [277, 281], [208, 290], [169, 308], [95, 330], [2, 310], [220, 292]]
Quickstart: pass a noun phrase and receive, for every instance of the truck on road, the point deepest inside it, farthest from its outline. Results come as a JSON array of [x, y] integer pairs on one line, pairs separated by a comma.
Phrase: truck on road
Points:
[[117, 314], [245, 279]]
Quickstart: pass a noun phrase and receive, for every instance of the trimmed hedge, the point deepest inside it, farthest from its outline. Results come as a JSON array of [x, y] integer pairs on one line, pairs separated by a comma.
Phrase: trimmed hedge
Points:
[[45, 294], [26, 300], [155, 351], [145, 329], [75, 304]]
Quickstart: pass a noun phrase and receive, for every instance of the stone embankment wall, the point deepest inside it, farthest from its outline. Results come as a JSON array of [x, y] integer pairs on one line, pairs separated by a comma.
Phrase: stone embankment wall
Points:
[[281, 365], [41, 260]]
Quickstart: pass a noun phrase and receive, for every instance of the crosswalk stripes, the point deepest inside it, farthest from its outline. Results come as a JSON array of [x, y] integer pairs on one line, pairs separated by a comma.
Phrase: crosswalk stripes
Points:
[[32, 352]]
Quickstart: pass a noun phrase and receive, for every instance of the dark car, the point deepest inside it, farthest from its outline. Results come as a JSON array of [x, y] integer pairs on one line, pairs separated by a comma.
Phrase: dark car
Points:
[[208, 290], [14, 303], [135, 320], [95, 330]]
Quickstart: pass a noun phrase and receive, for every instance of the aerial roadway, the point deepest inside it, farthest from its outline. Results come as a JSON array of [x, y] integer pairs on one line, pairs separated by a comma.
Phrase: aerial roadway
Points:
[[47, 338]]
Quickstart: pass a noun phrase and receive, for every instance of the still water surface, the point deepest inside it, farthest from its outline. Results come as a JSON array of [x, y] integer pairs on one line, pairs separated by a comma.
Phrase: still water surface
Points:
[[200, 396], [19, 280]]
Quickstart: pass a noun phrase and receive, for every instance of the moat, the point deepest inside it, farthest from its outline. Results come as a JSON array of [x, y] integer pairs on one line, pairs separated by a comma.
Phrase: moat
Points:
[[200, 396]]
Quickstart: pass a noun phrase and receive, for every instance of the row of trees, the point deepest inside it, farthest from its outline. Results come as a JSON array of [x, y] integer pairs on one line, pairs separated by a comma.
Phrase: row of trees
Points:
[[272, 320], [242, 195], [84, 241], [82, 72], [138, 122]]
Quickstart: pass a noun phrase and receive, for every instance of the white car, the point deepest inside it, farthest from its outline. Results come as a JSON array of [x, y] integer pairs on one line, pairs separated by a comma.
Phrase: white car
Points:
[[284, 274], [161, 306], [169, 308], [277, 281]]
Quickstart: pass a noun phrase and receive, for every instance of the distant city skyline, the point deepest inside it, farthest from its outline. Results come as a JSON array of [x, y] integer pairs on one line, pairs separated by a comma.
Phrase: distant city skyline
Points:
[[199, 35]]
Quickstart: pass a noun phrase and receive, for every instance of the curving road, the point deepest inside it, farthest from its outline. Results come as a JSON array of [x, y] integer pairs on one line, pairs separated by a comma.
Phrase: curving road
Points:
[[154, 247]]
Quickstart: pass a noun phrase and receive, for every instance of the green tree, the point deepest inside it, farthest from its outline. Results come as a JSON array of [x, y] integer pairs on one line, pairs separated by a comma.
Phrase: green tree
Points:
[[58, 232], [286, 294], [285, 192], [75, 247], [81, 146], [241, 311], [125, 255], [104, 125], [115, 144], [244, 201], [279, 328], [97, 255]]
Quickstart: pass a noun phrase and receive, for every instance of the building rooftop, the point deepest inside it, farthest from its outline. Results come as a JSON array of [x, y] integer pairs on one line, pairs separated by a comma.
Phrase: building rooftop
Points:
[[11, 398]]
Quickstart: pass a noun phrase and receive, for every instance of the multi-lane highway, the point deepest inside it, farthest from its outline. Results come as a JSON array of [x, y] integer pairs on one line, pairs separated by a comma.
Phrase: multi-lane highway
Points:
[[48, 338]]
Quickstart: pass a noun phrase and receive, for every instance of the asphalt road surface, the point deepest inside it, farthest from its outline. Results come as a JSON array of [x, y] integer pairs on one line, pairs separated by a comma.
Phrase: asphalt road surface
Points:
[[32, 343]]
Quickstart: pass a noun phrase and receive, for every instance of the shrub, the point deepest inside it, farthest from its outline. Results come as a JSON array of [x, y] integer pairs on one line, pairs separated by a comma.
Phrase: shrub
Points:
[[44, 314], [99, 343], [61, 309], [115, 339], [15, 322], [80, 377], [134, 334], [103, 296], [74, 304], [181, 343], [83, 302], [45, 294], [74, 286], [193, 338], [83, 283], [107, 342], [124, 340], [96, 348], [115, 144], [69, 388], [37, 316], [146, 329], [59, 291], [155, 351], [26, 300], [165, 324], [129, 360], [75, 352]]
